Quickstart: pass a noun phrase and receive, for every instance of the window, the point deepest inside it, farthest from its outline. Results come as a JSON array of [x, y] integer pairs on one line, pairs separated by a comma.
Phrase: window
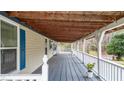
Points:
[[54, 47], [8, 60], [46, 46], [8, 47], [8, 35], [50, 44]]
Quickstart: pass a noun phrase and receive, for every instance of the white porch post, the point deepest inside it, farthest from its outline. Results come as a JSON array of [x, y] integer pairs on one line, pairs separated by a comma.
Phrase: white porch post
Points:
[[100, 36], [71, 48], [77, 49], [77, 45], [45, 69], [58, 48], [74, 47], [45, 65], [84, 42]]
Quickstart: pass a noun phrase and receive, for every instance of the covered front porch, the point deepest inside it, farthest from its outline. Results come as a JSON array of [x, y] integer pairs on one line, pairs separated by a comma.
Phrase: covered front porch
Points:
[[38, 35]]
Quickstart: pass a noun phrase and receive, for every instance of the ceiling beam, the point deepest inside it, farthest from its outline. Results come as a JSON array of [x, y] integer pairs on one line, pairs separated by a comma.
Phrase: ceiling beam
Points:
[[63, 21], [60, 16], [65, 26], [63, 31]]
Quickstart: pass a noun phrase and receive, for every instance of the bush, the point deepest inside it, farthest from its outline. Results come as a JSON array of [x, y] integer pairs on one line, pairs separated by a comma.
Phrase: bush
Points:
[[116, 46]]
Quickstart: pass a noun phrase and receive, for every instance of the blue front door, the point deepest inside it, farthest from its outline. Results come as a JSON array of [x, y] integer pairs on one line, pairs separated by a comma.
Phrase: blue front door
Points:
[[22, 49]]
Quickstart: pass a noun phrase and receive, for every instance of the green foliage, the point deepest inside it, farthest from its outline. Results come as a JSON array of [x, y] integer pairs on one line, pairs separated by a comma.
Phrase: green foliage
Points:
[[90, 66], [116, 46], [93, 47], [65, 46]]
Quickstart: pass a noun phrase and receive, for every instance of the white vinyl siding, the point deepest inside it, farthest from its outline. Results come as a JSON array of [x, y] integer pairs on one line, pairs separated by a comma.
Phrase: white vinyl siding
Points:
[[34, 50]]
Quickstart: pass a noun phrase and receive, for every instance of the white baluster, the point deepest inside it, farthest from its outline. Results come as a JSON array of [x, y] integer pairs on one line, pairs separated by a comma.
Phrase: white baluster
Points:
[[45, 68]]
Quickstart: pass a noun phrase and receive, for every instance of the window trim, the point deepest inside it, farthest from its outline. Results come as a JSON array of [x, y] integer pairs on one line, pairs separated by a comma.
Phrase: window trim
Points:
[[5, 19]]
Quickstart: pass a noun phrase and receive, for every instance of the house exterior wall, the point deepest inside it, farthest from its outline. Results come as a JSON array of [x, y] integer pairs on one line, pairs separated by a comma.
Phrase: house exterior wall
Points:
[[35, 48]]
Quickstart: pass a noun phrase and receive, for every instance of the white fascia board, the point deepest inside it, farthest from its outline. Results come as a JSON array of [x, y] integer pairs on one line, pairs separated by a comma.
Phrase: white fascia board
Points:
[[113, 25], [3, 18]]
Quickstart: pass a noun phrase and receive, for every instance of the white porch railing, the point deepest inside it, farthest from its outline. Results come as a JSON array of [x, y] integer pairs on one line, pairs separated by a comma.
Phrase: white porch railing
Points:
[[111, 71], [108, 70], [91, 59], [79, 54]]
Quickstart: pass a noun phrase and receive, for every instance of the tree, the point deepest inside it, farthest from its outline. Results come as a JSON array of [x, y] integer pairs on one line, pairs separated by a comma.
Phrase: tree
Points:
[[116, 46]]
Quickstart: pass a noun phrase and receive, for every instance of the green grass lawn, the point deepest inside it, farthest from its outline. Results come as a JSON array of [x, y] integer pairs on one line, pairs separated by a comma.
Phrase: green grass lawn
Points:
[[120, 62], [94, 53]]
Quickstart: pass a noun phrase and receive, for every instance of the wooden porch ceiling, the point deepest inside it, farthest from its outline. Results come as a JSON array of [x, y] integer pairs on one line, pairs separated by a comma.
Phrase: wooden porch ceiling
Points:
[[66, 26]]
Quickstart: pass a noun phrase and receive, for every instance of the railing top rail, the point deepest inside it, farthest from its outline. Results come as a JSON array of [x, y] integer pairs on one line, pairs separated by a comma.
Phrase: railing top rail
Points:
[[113, 63], [90, 55], [107, 61], [78, 51]]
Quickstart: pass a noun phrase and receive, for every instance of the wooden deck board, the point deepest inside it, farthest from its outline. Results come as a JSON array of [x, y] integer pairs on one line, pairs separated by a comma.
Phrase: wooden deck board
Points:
[[84, 72], [69, 74], [74, 75], [67, 67], [53, 67], [78, 72], [63, 73]]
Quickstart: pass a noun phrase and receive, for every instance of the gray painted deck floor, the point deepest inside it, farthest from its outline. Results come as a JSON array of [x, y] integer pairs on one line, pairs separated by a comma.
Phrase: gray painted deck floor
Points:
[[66, 67]]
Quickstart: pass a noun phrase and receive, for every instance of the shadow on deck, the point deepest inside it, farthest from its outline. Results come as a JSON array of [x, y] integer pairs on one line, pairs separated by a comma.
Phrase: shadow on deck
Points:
[[66, 67]]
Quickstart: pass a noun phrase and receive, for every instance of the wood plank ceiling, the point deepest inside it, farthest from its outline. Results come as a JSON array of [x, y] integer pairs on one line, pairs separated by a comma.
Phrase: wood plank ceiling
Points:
[[66, 26]]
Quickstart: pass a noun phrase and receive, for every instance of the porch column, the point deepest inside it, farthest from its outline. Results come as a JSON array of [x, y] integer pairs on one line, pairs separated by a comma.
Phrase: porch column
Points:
[[77, 45], [100, 36], [77, 48], [84, 42], [45, 68], [45, 65], [74, 47], [71, 48], [58, 48]]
